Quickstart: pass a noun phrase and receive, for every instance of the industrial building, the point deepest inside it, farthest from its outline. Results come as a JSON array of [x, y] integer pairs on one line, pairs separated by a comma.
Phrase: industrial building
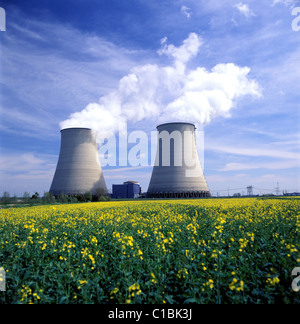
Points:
[[78, 169], [129, 189], [177, 172]]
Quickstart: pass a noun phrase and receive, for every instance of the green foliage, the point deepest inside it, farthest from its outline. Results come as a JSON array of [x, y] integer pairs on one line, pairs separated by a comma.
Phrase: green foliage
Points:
[[49, 198], [26, 197], [5, 198], [184, 251], [88, 196]]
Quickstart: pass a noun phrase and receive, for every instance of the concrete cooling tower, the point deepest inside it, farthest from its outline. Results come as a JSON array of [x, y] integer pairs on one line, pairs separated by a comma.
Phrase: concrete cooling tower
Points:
[[177, 172], [78, 169]]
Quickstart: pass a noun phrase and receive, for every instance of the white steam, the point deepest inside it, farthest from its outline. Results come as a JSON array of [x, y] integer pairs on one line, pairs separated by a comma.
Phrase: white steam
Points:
[[167, 94]]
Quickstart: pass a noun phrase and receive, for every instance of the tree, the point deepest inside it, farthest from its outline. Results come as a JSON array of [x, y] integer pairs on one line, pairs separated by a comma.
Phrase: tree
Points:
[[73, 199], [99, 195], [14, 199], [80, 198], [48, 198], [88, 196], [35, 196], [26, 197], [63, 198], [6, 198]]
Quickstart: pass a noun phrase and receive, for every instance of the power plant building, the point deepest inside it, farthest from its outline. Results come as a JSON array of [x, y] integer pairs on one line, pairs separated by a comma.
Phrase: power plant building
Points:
[[78, 169], [177, 172], [129, 189]]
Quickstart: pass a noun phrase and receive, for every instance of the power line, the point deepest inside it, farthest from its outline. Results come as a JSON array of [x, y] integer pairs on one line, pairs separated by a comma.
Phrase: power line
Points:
[[229, 189], [264, 189], [277, 190]]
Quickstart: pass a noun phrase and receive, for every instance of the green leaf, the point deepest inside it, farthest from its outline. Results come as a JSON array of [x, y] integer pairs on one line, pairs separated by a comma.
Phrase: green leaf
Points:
[[169, 299], [190, 301]]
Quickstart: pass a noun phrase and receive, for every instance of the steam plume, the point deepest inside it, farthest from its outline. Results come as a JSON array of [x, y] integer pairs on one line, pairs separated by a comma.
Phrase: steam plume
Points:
[[169, 93]]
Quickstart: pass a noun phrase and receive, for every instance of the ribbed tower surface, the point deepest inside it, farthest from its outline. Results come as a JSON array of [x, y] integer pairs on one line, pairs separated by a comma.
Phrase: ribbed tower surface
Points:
[[177, 172], [78, 169]]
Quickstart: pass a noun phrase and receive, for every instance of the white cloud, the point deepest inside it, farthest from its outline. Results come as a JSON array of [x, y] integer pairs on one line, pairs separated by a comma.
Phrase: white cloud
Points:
[[22, 163], [186, 11], [266, 165], [163, 40], [26, 172], [51, 70], [244, 9], [186, 51], [207, 95], [254, 151], [169, 93], [287, 3]]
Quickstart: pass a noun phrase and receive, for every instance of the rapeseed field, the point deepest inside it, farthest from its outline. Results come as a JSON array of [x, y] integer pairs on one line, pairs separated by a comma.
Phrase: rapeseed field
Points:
[[168, 251]]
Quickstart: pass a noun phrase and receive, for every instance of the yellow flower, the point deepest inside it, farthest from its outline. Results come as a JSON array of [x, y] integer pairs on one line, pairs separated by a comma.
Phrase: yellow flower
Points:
[[182, 273], [92, 259], [135, 290], [36, 296], [113, 292], [273, 281], [153, 280], [209, 283], [134, 287], [233, 286], [241, 288]]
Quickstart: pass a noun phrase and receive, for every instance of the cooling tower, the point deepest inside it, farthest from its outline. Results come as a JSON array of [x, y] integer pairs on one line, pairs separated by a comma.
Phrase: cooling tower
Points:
[[78, 169], [177, 172]]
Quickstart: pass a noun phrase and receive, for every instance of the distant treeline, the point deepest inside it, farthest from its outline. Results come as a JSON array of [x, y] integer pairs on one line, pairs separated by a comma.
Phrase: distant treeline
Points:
[[49, 198]]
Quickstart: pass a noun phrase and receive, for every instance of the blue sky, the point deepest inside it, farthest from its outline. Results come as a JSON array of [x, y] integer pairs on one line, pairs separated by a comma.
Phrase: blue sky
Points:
[[57, 57]]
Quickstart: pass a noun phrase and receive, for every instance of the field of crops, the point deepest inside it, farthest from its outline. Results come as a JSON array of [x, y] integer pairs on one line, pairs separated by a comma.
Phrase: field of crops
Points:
[[185, 251]]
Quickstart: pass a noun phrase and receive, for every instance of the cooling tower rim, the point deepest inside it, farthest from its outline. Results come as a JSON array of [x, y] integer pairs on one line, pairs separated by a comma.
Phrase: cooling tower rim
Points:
[[174, 123], [74, 128]]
